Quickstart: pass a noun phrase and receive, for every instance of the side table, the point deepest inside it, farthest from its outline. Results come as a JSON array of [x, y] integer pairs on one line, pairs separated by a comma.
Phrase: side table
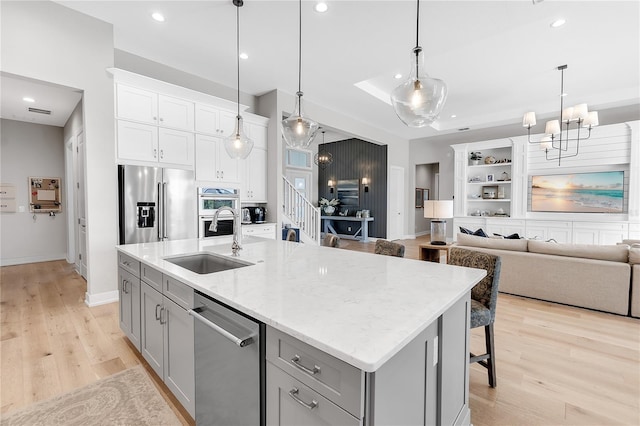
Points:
[[431, 252]]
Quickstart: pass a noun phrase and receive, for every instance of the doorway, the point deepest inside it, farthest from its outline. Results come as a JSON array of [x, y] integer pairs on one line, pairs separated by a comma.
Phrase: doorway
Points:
[[428, 179]]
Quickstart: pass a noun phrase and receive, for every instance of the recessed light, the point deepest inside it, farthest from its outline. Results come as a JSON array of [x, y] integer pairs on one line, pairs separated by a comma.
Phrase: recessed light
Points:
[[321, 7], [558, 23], [28, 99], [158, 16], [397, 76], [244, 56], [453, 116]]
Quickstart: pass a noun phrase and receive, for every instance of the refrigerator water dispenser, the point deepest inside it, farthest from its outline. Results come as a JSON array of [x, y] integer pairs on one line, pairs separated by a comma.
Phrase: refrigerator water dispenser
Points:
[[146, 215]]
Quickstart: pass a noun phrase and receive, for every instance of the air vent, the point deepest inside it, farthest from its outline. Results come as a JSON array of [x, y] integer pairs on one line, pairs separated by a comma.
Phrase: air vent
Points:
[[40, 111], [463, 129]]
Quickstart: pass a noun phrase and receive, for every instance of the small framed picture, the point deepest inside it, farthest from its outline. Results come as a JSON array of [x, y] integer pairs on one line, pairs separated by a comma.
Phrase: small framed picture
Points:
[[490, 177]]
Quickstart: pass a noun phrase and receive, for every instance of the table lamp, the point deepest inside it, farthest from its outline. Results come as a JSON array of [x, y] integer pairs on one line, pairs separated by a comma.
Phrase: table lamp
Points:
[[437, 210]]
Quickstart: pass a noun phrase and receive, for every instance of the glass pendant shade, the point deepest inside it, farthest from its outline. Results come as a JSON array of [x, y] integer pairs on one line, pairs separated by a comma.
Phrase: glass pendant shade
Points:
[[420, 99], [238, 145], [299, 131]]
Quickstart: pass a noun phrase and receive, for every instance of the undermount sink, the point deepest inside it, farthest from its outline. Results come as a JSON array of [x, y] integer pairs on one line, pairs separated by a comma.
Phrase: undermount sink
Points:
[[207, 263]]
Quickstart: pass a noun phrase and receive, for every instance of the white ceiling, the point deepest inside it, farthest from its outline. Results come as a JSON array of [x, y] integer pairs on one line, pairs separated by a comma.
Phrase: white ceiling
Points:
[[498, 58], [61, 101]]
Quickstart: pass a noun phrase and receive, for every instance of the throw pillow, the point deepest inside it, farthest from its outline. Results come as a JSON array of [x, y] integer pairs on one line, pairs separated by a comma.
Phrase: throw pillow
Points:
[[466, 231], [480, 233], [509, 237]]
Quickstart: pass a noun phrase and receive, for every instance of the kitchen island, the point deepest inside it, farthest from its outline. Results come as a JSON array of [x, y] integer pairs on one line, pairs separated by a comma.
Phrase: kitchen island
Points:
[[400, 324]]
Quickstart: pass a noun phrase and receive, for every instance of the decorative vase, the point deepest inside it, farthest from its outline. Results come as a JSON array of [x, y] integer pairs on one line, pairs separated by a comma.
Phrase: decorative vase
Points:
[[475, 162], [329, 210]]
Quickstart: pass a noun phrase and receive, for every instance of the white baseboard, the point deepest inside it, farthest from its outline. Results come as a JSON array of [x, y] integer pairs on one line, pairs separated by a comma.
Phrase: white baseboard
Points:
[[92, 300], [32, 259]]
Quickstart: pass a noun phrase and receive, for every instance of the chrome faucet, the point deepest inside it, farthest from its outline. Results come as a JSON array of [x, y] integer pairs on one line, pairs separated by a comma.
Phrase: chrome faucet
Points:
[[237, 235]]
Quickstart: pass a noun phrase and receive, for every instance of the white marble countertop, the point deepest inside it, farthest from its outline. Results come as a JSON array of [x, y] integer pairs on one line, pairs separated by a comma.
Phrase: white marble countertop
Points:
[[361, 308]]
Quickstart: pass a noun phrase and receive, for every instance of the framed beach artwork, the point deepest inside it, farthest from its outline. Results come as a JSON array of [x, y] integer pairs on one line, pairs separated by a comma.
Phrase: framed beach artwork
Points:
[[597, 192]]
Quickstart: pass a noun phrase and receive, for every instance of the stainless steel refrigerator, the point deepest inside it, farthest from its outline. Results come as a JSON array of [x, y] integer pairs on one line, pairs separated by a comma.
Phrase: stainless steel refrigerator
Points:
[[156, 204]]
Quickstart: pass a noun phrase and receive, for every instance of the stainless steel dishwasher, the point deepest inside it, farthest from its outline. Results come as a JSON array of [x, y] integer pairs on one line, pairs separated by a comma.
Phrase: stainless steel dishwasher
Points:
[[229, 365]]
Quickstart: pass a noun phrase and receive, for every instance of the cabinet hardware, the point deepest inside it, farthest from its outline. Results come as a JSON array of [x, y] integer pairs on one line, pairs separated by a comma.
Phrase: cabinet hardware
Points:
[[155, 153], [162, 153], [296, 361], [124, 286], [157, 314], [293, 393], [163, 321]]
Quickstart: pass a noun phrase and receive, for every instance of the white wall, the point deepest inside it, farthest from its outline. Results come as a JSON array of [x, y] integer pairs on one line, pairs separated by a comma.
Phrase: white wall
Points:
[[49, 42], [31, 150]]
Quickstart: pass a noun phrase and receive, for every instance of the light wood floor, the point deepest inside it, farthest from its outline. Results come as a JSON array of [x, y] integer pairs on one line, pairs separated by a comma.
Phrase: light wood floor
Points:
[[556, 365], [52, 343]]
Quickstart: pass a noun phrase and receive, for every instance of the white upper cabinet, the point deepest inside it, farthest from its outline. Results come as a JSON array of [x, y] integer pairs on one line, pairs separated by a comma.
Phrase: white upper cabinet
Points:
[[136, 104], [145, 144], [214, 121], [254, 168], [175, 113], [149, 107], [213, 164]]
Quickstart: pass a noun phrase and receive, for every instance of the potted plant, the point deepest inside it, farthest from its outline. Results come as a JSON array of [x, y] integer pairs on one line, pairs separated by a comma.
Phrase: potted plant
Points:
[[475, 157], [329, 206]]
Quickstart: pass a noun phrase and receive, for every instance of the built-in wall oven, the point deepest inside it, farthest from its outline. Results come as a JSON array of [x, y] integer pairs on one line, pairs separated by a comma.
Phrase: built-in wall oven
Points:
[[209, 201]]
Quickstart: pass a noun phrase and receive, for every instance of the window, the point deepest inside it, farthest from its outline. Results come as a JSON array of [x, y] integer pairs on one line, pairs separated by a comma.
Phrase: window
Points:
[[298, 158]]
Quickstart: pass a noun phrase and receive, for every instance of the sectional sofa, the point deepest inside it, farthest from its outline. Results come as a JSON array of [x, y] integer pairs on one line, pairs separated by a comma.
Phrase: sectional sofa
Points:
[[605, 278]]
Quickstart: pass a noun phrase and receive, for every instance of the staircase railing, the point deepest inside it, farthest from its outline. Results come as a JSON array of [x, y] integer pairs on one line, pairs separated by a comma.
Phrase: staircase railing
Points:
[[301, 212]]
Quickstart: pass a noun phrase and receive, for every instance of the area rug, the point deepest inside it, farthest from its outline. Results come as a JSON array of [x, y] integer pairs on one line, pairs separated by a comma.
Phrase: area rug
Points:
[[126, 398]]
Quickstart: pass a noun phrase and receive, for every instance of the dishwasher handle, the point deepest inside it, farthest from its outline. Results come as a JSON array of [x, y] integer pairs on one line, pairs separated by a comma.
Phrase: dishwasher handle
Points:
[[240, 341]]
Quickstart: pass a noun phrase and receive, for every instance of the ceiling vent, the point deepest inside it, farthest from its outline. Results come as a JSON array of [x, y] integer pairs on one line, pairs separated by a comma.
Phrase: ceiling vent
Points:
[[39, 111]]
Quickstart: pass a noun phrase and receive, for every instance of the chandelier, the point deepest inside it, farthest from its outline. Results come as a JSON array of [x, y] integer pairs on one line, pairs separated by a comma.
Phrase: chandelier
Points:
[[323, 158], [555, 145]]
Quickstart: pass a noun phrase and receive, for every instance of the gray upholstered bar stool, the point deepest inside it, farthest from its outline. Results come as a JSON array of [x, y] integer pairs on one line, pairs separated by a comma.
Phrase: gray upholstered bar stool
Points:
[[389, 248], [484, 297]]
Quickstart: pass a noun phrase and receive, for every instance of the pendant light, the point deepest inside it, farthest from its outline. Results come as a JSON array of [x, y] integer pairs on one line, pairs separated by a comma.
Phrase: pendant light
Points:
[[298, 131], [323, 158], [419, 100], [238, 145]]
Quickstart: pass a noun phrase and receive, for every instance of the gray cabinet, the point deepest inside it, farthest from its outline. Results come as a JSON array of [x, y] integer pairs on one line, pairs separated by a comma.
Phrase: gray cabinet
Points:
[[167, 341], [292, 403], [129, 294], [426, 383], [152, 344]]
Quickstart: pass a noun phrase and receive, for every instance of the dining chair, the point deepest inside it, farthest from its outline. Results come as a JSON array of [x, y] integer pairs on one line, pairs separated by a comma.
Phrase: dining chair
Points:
[[389, 248], [484, 298]]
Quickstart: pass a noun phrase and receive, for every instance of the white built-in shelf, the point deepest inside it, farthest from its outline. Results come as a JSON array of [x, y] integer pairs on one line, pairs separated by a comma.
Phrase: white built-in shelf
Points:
[[491, 200], [497, 182], [489, 165]]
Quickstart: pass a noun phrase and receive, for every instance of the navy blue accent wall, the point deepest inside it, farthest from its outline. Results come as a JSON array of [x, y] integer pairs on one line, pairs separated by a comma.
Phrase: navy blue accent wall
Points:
[[357, 159]]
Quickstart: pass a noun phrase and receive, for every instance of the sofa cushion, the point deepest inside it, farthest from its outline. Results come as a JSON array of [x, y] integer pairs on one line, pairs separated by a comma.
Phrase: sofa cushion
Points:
[[630, 242], [634, 256], [613, 253], [493, 243]]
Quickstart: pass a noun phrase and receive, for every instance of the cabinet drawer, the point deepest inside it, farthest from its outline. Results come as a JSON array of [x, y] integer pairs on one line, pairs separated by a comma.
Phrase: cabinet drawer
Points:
[[178, 291], [151, 276], [285, 399], [334, 379], [129, 264]]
